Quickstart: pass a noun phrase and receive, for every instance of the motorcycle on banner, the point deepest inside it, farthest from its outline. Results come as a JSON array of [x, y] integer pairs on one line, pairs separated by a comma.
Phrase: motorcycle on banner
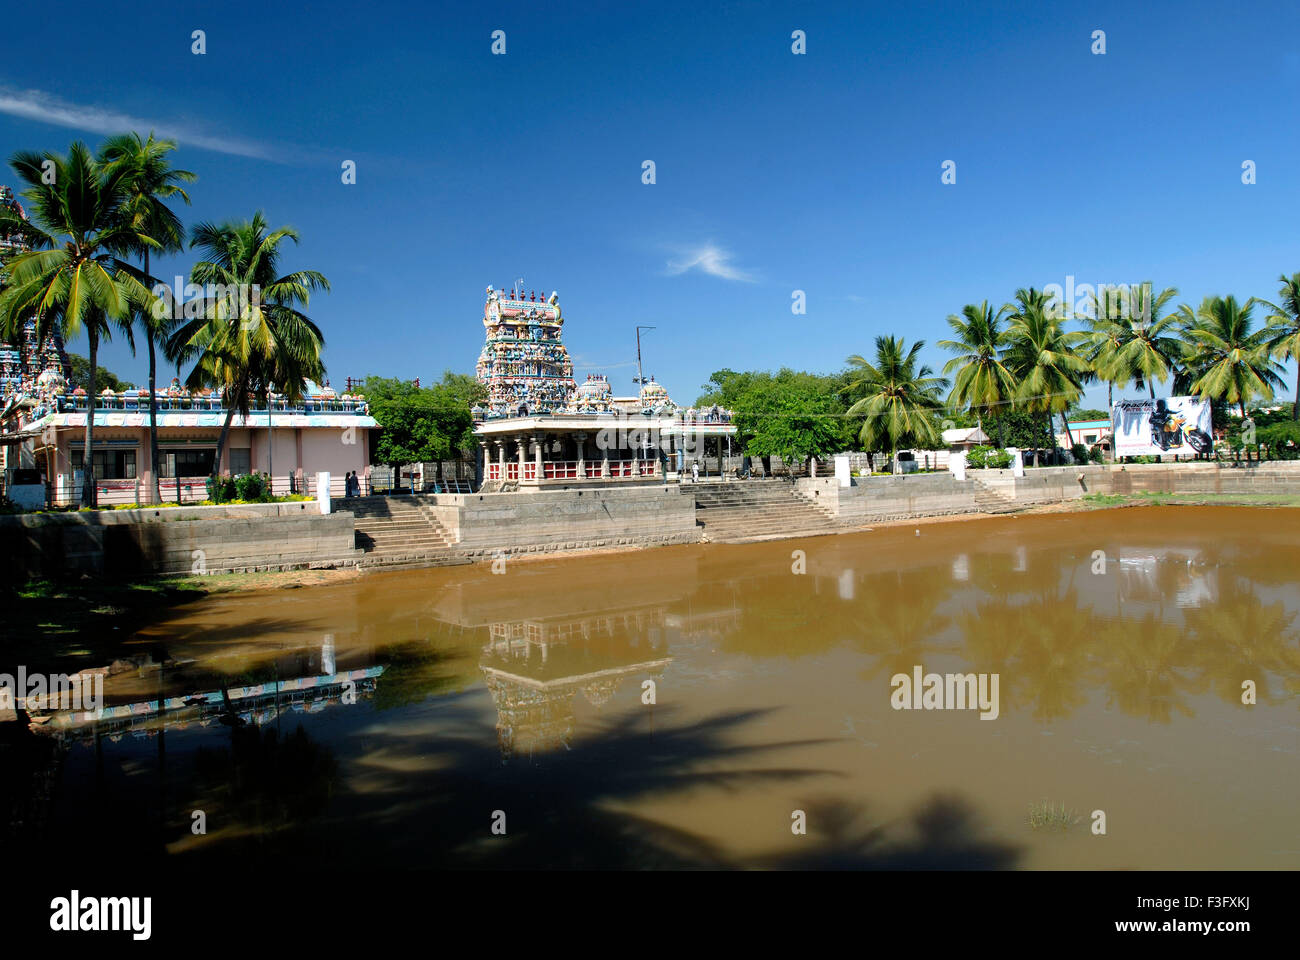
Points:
[[1169, 428], [1165, 425]]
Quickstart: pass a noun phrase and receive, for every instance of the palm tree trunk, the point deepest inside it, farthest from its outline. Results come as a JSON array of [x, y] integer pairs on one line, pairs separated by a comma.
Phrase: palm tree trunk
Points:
[[1068, 435], [1241, 405], [153, 401], [221, 440], [156, 492], [270, 446], [1295, 407], [87, 459]]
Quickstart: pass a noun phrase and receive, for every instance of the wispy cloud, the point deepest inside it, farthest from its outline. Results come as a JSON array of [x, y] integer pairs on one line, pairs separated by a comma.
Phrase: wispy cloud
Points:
[[48, 108], [711, 259]]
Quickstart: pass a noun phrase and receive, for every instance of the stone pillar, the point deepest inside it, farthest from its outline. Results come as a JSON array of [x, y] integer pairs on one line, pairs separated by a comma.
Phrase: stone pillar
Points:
[[604, 463], [520, 442], [537, 454], [581, 440], [501, 458]]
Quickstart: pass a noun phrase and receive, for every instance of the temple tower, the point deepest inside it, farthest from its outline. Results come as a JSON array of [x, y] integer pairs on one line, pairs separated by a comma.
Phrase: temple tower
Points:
[[524, 363]]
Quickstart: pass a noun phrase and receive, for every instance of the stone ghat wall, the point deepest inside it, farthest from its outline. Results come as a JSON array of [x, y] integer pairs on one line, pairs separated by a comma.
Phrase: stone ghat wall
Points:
[[179, 540], [878, 498], [891, 498], [1056, 484], [481, 524]]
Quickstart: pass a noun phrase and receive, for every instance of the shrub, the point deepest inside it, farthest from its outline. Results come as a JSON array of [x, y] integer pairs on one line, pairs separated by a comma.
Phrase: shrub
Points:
[[251, 487], [1094, 455], [982, 457], [221, 489]]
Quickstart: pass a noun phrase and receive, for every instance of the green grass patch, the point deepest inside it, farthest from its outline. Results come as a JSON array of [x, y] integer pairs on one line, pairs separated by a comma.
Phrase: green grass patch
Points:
[[1045, 815], [1103, 500], [68, 625]]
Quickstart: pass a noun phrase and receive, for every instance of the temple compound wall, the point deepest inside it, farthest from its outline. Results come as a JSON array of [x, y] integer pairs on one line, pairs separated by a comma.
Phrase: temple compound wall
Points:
[[176, 540], [567, 520], [881, 498]]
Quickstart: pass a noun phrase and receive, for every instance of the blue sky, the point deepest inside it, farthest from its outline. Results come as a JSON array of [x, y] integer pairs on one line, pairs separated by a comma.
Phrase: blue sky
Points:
[[775, 172]]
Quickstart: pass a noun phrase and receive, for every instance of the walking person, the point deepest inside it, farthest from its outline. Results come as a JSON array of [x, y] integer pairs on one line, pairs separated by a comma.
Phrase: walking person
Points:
[[695, 471]]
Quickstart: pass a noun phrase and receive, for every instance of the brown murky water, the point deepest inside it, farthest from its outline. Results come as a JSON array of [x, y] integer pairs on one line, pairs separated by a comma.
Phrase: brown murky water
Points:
[[387, 721]]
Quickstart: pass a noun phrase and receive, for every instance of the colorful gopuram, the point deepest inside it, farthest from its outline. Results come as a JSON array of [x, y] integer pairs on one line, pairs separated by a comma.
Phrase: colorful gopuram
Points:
[[539, 429], [524, 363], [23, 363]]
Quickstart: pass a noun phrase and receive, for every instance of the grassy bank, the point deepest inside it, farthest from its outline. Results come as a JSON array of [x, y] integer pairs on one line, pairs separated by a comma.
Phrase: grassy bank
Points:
[[1097, 501], [76, 624]]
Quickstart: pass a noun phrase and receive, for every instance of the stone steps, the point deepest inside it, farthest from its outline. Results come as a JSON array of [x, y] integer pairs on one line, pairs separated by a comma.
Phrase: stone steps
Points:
[[991, 500], [391, 530], [758, 510]]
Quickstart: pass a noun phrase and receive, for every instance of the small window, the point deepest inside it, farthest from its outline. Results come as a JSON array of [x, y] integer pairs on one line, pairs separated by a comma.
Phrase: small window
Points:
[[108, 464], [240, 461], [187, 463]]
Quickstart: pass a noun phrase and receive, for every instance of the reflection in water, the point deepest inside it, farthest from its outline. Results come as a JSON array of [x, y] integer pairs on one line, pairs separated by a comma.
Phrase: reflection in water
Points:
[[381, 719], [534, 669]]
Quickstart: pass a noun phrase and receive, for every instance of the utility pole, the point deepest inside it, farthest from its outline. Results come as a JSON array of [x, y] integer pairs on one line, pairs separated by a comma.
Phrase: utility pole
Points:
[[640, 379]]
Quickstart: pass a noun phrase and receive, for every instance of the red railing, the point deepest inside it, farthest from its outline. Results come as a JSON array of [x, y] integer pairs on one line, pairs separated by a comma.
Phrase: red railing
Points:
[[573, 470]]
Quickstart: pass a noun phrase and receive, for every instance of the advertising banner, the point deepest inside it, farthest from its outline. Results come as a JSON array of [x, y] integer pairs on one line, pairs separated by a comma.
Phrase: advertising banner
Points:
[[1164, 425]]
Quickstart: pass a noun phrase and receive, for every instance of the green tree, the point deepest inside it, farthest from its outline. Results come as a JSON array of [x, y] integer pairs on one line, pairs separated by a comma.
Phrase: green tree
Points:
[[1149, 347], [726, 387], [249, 336], [1234, 359], [1283, 330], [1087, 413], [72, 275], [424, 424], [1044, 359], [797, 418], [897, 395], [982, 384], [150, 181], [1023, 430], [105, 379], [1103, 343]]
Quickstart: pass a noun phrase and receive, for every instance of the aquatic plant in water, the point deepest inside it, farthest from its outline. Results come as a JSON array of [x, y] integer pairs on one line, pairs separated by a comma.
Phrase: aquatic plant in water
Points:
[[1046, 815]]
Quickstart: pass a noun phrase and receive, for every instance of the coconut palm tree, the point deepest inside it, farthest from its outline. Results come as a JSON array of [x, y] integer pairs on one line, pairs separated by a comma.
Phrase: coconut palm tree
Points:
[[1234, 359], [1152, 348], [1105, 339], [1044, 358], [72, 276], [1283, 330], [983, 381], [900, 396], [251, 338], [150, 182]]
